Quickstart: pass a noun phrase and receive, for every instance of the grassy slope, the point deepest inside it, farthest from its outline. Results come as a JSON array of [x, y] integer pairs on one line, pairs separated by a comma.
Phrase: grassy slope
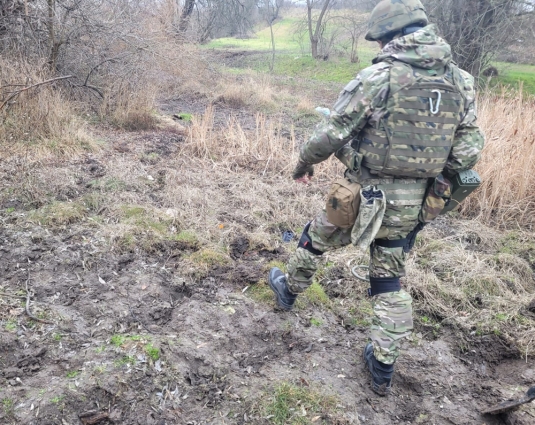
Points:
[[293, 59]]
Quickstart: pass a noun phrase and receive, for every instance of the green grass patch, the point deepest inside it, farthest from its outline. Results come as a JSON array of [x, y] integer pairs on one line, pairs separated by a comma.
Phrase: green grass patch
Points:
[[59, 213], [118, 340], [315, 322], [72, 374], [152, 352], [516, 75], [57, 399], [185, 116], [144, 219], [360, 313], [11, 325], [8, 406], [284, 35], [501, 317], [290, 401], [209, 257], [186, 236], [317, 296], [261, 293], [125, 360], [274, 263], [133, 211], [337, 70]]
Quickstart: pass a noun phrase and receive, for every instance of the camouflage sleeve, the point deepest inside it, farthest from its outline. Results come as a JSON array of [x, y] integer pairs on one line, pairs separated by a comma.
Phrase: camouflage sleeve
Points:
[[355, 105], [469, 139]]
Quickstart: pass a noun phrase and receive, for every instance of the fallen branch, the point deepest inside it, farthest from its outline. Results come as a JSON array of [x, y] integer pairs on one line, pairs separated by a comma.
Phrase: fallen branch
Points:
[[16, 93]]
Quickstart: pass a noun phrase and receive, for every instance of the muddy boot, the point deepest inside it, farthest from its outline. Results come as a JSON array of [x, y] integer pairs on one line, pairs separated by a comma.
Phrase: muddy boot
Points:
[[277, 282], [381, 373]]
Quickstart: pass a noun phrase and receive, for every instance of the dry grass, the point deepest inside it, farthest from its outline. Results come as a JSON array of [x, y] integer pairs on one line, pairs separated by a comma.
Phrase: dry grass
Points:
[[471, 283], [40, 121], [130, 105], [507, 195], [268, 149]]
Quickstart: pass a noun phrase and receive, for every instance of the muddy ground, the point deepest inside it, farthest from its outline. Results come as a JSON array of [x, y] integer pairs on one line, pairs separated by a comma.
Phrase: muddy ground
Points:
[[133, 335]]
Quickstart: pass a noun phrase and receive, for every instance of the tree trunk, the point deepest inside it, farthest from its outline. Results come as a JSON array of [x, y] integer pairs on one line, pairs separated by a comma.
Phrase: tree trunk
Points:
[[53, 47], [184, 17], [315, 35]]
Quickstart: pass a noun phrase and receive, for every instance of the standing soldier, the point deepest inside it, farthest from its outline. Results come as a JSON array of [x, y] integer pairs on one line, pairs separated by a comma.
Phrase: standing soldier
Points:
[[405, 128]]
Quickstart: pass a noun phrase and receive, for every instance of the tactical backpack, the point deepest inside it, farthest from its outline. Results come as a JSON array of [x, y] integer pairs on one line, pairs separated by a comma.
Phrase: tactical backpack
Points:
[[416, 132]]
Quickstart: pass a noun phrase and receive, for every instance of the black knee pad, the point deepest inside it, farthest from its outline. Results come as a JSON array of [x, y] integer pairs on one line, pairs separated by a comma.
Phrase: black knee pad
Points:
[[383, 285], [306, 243]]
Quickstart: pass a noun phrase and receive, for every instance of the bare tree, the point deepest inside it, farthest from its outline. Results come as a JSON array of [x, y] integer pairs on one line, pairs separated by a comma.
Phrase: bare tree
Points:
[[270, 11], [354, 25], [315, 24], [479, 29]]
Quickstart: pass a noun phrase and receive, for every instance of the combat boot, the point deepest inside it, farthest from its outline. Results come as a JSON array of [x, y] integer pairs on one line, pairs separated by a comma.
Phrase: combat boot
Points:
[[381, 373], [279, 284]]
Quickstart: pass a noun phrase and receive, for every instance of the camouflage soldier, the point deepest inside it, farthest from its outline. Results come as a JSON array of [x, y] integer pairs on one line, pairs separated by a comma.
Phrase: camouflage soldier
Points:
[[404, 127]]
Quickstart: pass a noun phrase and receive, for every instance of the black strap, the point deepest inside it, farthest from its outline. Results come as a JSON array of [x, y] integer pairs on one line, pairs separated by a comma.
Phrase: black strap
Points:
[[306, 243], [383, 285], [391, 243]]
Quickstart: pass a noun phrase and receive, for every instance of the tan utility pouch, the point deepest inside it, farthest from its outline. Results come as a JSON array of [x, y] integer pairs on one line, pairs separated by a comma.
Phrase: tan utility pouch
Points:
[[343, 203], [435, 199]]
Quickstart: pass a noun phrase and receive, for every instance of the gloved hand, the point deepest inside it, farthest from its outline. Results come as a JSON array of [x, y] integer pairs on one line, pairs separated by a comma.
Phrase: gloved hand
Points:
[[303, 172]]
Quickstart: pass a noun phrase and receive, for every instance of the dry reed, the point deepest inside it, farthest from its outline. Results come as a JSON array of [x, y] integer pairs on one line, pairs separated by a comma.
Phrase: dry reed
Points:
[[508, 191], [269, 148]]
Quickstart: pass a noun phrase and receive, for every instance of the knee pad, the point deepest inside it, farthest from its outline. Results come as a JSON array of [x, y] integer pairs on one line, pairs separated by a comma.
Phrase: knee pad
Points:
[[383, 285], [306, 243]]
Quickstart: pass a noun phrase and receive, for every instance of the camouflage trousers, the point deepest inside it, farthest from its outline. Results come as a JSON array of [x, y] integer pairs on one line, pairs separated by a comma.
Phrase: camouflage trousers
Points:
[[392, 319]]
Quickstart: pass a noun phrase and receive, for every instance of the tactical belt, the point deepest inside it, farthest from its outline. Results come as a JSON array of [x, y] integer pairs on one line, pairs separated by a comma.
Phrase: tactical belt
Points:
[[383, 285], [391, 243], [306, 243]]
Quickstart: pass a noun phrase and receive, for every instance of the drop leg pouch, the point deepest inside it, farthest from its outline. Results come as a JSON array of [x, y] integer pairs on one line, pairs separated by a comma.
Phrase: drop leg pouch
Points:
[[343, 203]]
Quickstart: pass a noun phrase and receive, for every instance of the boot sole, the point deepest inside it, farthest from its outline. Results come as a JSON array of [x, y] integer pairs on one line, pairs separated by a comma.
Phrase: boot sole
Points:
[[283, 306]]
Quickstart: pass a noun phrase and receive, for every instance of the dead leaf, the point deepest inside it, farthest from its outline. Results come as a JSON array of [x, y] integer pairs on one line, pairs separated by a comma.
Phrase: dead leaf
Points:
[[316, 418], [101, 280]]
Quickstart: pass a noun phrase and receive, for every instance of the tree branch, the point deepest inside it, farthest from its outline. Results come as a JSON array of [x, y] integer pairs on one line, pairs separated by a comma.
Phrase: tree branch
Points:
[[15, 94]]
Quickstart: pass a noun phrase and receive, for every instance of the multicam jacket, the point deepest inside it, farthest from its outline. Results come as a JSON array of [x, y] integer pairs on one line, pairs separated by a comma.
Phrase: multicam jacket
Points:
[[359, 114]]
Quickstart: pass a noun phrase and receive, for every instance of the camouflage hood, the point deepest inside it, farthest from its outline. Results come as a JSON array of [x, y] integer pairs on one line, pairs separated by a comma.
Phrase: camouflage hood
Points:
[[424, 49]]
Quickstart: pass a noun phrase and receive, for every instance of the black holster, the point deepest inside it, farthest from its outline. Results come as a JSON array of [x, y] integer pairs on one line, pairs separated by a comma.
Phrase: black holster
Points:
[[306, 243]]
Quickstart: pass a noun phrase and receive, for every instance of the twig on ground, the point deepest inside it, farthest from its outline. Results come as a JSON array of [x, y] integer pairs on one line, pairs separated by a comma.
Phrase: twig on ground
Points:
[[28, 312]]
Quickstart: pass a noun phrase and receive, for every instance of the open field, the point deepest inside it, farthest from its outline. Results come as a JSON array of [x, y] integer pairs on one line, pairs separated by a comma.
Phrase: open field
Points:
[[135, 244], [293, 58]]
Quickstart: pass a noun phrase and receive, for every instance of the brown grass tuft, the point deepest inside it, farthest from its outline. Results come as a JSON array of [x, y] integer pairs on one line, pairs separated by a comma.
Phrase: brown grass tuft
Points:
[[40, 121]]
